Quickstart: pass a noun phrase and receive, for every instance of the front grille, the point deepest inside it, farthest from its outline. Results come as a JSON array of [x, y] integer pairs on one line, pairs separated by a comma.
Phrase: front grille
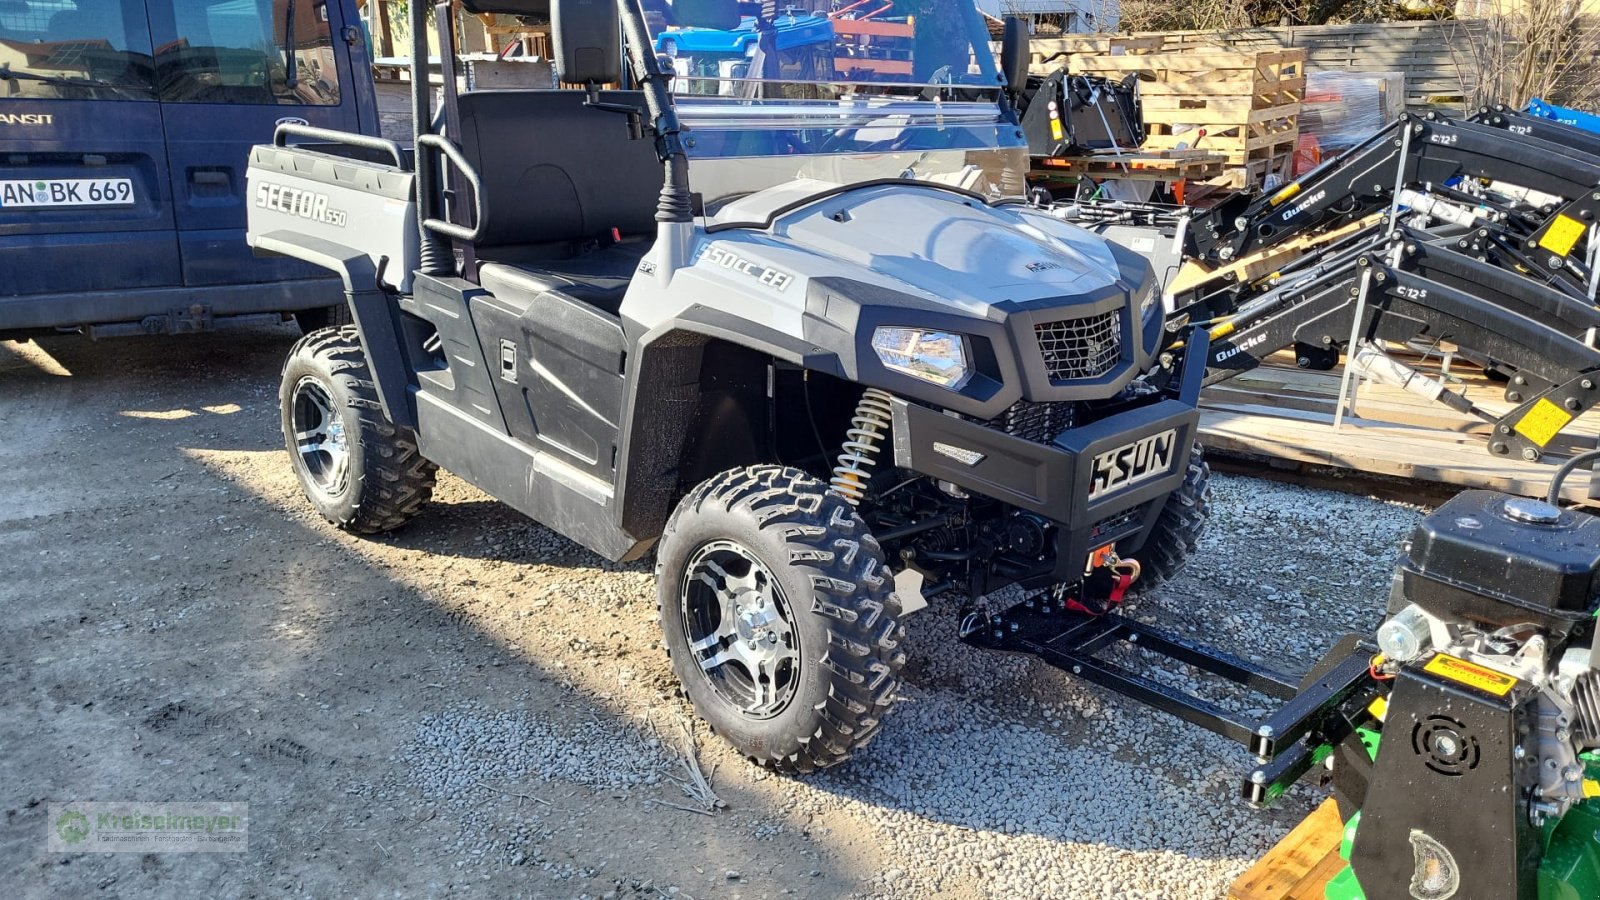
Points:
[[1037, 422], [1081, 348]]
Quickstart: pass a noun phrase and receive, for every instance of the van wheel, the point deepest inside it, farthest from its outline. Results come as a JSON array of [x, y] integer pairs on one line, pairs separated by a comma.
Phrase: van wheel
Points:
[[362, 472], [336, 316], [1179, 526], [779, 616]]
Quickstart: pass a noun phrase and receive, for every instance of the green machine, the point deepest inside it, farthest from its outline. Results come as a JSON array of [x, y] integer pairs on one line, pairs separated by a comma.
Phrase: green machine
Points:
[[1469, 770]]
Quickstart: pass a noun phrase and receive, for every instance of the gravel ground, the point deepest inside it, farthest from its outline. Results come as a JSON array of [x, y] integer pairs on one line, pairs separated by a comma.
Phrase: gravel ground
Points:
[[477, 706]]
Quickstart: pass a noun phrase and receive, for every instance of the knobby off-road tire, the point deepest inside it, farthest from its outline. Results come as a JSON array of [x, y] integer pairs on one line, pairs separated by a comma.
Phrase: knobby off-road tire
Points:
[[1178, 528], [764, 571], [313, 320], [362, 472]]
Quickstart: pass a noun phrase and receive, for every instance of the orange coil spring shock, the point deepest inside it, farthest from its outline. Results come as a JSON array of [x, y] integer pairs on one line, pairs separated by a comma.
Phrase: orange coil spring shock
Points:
[[868, 427]]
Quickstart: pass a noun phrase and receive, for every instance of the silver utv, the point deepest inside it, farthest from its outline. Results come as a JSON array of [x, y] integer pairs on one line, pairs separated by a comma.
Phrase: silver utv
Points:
[[780, 321]]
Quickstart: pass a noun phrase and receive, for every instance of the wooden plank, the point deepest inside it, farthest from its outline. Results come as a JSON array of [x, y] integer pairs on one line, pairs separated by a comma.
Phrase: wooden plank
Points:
[[1281, 383], [1141, 164], [1293, 867], [1382, 448], [1260, 265], [1202, 60], [1421, 50], [1313, 886]]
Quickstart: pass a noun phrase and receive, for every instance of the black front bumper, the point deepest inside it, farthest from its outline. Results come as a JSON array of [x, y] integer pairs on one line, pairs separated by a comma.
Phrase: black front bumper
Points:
[[1054, 480]]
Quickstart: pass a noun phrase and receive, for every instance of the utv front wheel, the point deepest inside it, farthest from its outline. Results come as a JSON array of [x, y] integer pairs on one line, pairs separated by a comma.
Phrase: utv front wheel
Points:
[[779, 616], [1179, 526], [361, 471]]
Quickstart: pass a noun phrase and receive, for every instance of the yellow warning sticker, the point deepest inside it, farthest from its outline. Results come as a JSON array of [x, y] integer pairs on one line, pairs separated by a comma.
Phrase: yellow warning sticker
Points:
[[1057, 134], [1543, 422], [1470, 674], [1563, 233]]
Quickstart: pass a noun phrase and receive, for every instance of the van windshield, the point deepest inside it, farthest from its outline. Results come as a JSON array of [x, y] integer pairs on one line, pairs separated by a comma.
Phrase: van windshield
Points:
[[78, 51], [176, 51]]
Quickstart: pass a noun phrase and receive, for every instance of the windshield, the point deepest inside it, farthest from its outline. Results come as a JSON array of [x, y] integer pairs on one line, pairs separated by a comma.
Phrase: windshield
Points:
[[820, 49], [840, 92], [177, 51]]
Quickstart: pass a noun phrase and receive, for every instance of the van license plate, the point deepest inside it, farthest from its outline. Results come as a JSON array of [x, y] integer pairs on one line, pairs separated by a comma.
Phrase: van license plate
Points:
[[47, 193], [1132, 463]]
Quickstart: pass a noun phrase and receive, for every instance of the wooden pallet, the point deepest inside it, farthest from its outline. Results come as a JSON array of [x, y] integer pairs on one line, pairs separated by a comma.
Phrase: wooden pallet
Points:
[[1267, 78], [1283, 416], [1040, 49], [1254, 172], [1263, 138], [1246, 102], [1299, 866]]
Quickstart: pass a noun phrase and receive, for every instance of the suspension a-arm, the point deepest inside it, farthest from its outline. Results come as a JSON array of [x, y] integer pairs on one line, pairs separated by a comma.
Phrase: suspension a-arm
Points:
[[1426, 151]]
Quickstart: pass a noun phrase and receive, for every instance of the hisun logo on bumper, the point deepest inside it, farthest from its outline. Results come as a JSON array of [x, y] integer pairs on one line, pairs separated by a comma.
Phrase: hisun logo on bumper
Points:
[[297, 202], [27, 119], [1303, 205], [1128, 465]]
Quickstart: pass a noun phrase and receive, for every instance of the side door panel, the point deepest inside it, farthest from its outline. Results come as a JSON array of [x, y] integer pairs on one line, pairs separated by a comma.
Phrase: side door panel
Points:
[[220, 94]]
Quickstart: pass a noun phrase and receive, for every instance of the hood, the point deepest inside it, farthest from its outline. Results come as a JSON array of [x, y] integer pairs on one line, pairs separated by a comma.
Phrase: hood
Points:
[[940, 243]]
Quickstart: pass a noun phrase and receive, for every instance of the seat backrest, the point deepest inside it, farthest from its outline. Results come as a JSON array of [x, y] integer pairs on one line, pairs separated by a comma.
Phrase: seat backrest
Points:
[[555, 169]]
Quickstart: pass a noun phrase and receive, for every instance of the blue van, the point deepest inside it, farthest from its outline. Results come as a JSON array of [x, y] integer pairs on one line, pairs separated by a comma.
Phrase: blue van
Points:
[[125, 127]]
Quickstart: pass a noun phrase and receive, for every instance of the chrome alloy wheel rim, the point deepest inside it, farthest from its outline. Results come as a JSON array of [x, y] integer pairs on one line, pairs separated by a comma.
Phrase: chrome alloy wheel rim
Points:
[[319, 436], [740, 629]]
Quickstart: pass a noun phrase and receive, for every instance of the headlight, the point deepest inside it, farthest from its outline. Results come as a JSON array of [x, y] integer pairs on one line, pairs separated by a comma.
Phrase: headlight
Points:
[[936, 356], [1151, 301]]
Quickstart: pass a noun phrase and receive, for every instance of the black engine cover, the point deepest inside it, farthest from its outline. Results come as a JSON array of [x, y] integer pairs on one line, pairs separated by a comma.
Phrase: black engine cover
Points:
[[1448, 796], [1472, 559]]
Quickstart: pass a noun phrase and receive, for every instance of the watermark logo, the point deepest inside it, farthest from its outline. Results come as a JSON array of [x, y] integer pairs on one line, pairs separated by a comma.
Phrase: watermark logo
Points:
[[72, 826], [148, 827]]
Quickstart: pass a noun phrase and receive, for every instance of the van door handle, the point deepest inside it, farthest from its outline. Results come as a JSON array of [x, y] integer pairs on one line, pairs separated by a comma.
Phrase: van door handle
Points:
[[211, 177]]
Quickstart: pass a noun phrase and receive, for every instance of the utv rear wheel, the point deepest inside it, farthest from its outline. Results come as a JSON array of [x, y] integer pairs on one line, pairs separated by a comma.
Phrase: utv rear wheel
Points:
[[1178, 529], [779, 616], [361, 471]]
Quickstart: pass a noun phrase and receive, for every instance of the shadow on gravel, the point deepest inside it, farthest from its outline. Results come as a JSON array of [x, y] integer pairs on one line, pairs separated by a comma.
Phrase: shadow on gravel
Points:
[[383, 703], [486, 529], [175, 385], [394, 725]]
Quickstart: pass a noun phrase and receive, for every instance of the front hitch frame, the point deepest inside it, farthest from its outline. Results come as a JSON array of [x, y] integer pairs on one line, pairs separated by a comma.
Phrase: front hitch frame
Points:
[[1316, 712]]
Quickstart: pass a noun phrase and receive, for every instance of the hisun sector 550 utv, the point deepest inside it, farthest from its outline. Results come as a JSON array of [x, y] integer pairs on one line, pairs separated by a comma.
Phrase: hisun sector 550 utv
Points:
[[789, 334]]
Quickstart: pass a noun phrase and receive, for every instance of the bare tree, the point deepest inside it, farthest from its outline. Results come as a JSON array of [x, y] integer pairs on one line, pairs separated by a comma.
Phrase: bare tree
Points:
[[1508, 51], [1190, 15]]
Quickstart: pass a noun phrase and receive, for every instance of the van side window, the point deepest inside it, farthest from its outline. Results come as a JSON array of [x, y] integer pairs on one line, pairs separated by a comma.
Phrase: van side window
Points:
[[75, 50], [232, 51]]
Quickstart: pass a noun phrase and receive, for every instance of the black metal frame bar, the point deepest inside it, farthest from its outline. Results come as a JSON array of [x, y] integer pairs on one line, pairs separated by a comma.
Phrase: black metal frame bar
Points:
[[1286, 741], [1344, 188]]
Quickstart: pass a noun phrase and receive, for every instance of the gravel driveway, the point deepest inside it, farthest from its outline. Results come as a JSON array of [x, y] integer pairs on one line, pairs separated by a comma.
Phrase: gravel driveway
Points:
[[476, 707]]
